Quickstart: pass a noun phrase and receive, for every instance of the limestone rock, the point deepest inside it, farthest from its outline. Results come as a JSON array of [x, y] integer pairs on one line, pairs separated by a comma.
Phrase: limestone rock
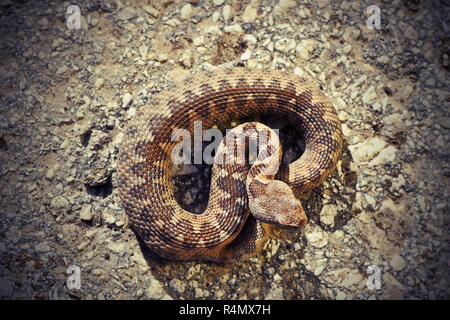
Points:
[[186, 11], [367, 150], [86, 213]]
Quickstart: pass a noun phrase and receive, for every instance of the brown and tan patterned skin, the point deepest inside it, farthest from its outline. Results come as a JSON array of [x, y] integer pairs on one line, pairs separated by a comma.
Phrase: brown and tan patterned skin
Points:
[[226, 231]]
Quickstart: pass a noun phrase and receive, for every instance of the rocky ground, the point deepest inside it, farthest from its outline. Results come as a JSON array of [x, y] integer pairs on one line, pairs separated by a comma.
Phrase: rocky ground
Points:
[[67, 95]]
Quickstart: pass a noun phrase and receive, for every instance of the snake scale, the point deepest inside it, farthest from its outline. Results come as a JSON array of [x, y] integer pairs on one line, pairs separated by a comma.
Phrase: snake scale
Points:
[[244, 199]]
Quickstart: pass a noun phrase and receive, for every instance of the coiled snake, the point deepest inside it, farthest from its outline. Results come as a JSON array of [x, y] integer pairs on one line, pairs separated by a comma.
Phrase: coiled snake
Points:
[[243, 198]]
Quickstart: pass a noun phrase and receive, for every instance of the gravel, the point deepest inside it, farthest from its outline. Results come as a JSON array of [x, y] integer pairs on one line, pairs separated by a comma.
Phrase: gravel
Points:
[[67, 95]]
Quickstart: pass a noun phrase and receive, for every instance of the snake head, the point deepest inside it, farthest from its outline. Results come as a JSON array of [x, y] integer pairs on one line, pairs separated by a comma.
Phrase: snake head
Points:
[[275, 203]]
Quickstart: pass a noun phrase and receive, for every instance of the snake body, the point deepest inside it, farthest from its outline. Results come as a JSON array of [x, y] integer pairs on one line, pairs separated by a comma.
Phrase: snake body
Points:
[[243, 198]]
